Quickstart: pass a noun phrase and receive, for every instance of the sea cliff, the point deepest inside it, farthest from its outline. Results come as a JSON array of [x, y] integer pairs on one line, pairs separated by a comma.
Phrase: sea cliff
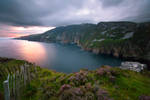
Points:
[[120, 39]]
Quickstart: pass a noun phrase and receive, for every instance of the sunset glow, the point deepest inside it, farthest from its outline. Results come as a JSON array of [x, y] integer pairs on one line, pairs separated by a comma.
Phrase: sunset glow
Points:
[[28, 51], [14, 31]]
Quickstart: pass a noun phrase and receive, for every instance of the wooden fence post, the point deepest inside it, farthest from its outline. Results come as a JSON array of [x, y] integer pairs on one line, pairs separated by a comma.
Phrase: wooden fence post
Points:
[[14, 85], [16, 80], [6, 89]]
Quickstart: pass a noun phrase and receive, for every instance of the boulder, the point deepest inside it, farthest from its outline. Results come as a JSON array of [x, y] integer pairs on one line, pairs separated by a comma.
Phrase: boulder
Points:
[[135, 66]]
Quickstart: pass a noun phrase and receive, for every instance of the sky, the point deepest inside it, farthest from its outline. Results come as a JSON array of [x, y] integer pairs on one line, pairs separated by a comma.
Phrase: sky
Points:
[[24, 17]]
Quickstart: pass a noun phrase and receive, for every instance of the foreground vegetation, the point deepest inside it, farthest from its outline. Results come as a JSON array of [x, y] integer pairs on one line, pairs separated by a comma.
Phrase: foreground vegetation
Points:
[[104, 83]]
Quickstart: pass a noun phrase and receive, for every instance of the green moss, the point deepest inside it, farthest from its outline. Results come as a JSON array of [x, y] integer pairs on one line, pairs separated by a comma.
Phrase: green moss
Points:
[[109, 42]]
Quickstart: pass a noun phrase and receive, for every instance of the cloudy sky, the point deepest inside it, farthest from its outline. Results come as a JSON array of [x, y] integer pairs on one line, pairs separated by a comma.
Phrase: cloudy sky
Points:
[[23, 17]]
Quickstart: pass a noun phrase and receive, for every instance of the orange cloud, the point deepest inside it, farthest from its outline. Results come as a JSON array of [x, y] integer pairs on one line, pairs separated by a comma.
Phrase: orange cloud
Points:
[[12, 35], [14, 31]]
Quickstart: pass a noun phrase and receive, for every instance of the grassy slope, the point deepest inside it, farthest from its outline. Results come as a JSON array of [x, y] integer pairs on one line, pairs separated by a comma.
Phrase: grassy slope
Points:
[[50, 85]]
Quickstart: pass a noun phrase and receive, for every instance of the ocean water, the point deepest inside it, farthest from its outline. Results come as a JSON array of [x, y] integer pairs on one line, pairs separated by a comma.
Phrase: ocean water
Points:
[[59, 57]]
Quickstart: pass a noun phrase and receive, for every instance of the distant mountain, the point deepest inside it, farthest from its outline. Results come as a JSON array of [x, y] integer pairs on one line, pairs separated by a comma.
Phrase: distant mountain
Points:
[[120, 39]]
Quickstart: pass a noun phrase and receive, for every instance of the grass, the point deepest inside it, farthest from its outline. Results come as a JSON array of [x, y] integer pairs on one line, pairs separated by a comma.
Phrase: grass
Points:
[[128, 85], [109, 42], [50, 85]]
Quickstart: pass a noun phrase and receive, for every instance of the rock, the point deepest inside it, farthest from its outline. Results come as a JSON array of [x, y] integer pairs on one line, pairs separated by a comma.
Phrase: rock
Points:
[[96, 51], [96, 40], [128, 35], [134, 66]]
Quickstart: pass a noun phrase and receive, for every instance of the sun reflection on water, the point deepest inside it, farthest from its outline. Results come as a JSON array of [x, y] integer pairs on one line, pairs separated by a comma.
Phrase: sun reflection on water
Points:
[[33, 51]]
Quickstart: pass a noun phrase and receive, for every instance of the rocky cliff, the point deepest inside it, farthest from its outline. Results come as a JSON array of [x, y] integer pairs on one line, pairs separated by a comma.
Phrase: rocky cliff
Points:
[[120, 39]]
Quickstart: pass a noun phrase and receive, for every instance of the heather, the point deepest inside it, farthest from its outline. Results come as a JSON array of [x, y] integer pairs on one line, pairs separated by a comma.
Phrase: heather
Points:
[[104, 83]]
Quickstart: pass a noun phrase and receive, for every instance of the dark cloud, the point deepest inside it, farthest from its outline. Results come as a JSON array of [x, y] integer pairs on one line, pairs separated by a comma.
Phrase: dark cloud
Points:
[[110, 3], [15, 13], [32, 12], [63, 12], [142, 11]]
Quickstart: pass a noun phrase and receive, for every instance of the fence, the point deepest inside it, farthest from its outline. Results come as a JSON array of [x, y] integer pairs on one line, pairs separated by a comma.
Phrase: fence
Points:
[[17, 80]]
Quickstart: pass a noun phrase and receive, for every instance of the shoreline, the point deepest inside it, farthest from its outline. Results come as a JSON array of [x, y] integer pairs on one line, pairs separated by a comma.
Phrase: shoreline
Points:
[[147, 62]]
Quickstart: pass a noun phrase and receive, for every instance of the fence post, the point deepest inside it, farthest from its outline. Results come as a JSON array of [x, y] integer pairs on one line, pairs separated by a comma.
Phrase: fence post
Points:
[[6, 89], [14, 82], [14, 86]]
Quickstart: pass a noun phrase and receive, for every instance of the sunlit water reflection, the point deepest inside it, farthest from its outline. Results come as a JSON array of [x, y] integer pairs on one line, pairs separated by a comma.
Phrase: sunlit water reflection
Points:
[[62, 58]]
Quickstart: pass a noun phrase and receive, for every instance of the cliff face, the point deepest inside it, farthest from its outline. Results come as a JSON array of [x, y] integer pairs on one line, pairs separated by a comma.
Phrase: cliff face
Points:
[[121, 39]]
